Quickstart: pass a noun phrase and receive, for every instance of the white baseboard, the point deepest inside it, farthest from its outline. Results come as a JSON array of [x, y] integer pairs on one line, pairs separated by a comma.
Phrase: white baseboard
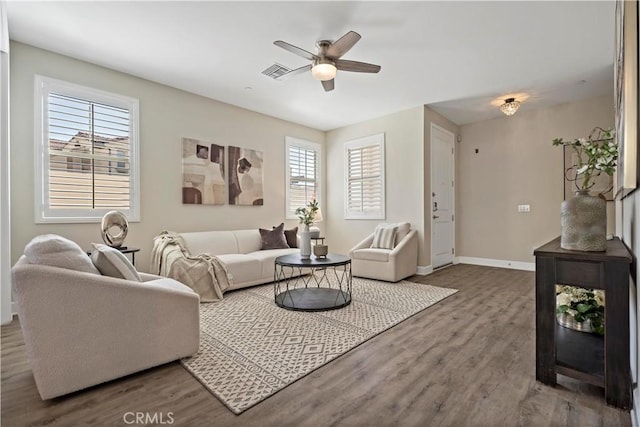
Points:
[[424, 270], [515, 265], [14, 313]]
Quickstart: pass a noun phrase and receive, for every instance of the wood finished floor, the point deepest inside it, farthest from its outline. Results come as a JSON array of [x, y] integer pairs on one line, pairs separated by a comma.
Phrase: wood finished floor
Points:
[[468, 360]]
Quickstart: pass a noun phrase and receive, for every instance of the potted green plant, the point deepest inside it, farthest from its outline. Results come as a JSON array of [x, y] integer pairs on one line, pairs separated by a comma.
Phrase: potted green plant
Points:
[[580, 309], [584, 217], [601, 154], [306, 216]]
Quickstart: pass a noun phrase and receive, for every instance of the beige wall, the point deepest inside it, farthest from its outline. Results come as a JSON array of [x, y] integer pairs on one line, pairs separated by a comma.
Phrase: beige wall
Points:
[[431, 116], [628, 223], [516, 164], [404, 178], [166, 115]]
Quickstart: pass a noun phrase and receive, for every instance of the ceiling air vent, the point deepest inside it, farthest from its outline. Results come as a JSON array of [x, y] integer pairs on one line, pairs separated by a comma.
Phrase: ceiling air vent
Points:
[[276, 70]]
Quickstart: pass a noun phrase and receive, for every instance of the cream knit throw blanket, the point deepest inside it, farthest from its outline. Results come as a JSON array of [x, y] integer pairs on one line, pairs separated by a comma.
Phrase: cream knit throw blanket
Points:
[[203, 273]]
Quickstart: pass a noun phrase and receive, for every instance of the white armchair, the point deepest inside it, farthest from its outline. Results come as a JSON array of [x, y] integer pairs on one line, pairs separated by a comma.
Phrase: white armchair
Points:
[[82, 328], [391, 265]]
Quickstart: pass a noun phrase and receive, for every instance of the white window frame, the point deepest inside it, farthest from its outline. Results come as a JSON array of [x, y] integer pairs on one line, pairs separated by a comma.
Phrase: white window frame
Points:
[[297, 142], [366, 141], [43, 214]]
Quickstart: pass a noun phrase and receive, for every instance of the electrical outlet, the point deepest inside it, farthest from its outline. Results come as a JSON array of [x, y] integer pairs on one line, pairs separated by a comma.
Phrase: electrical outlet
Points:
[[524, 208]]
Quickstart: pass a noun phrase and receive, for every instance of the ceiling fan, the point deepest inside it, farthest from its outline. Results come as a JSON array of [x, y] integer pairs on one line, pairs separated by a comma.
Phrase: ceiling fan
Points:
[[326, 61]]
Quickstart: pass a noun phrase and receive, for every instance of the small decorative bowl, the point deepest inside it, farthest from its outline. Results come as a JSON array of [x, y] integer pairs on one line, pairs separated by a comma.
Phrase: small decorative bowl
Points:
[[320, 251]]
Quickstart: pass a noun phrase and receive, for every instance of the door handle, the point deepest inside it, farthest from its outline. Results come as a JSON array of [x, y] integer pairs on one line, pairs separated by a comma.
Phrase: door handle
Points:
[[436, 217]]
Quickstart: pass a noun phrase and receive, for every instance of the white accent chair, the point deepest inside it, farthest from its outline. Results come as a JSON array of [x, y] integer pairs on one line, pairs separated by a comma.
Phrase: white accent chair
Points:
[[391, 265], [81, 328]]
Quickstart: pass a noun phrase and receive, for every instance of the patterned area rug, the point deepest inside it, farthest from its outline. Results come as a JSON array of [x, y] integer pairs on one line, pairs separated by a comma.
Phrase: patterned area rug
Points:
[[250, 348]]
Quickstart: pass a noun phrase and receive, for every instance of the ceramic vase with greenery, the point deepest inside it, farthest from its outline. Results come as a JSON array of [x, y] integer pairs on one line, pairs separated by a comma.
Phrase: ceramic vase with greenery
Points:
[[306, 216], [584, 217]]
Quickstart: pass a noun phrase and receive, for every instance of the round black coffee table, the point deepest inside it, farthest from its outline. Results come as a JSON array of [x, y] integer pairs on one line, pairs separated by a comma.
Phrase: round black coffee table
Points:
[[326, 287]]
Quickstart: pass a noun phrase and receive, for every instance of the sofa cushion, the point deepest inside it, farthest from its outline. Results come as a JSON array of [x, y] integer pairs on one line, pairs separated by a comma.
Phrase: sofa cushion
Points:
[[273, 239], [248, 241], [58, 251], [242, 267], [113, 263], [267, 258], [371, 254], [211, 242], [384, 237]]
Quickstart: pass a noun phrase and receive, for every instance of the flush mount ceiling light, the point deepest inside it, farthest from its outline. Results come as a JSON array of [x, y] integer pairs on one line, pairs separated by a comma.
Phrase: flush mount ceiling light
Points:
[[324, 70], [510, 106]]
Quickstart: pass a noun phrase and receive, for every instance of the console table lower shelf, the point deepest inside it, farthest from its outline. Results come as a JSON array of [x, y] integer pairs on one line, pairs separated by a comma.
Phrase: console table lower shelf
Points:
[[580, 355]]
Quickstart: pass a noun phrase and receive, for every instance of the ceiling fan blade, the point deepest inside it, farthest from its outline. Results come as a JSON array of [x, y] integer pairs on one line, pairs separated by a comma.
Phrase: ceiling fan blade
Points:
[[342, 45], [358, 67], [294, 72], [296, 50], [328, 85]]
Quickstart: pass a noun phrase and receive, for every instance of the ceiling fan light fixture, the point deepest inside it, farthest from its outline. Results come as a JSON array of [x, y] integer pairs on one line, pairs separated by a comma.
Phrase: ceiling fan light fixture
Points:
[[510, 106], [324, 71]]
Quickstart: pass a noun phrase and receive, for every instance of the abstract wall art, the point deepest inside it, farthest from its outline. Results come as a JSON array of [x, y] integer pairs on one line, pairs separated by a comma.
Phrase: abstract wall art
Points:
[[245, 176], [203, 176]]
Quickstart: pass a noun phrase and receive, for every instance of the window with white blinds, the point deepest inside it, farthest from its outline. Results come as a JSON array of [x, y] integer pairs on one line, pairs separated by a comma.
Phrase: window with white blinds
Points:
[[87, 146], [364, 178], [302, 174]]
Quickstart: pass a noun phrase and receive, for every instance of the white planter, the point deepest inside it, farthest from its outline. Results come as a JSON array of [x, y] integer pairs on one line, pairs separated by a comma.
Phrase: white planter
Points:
[[305, 243]]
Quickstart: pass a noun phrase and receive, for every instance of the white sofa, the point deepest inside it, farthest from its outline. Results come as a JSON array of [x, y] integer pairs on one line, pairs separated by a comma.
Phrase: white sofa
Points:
[[240, 251]]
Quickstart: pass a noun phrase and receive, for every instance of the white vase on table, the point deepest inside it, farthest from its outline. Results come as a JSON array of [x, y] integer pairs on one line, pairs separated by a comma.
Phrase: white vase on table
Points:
[[305, 243]]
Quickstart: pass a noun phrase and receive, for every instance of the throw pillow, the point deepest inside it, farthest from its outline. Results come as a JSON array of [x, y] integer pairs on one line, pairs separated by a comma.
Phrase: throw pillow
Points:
[[273, 239], [113, 263], [384, 237], [403, 229], [57, 251], [291, 236]]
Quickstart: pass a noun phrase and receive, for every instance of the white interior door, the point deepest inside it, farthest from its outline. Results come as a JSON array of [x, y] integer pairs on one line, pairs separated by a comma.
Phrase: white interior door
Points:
[[442, 197]]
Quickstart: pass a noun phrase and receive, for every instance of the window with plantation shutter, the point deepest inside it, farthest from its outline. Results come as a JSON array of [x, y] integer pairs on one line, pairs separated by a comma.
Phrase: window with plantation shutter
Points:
[[87, 152], [364, 178], [302, 174]]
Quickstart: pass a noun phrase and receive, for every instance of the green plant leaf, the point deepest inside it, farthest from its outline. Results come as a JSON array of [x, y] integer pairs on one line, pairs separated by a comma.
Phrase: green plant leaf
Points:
[[583, 308], [562, 309]]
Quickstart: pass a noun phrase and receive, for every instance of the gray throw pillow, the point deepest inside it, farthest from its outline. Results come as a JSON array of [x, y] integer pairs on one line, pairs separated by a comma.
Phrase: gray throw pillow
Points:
[[273, 239], [113, 263], [57, 251], [291, 236]]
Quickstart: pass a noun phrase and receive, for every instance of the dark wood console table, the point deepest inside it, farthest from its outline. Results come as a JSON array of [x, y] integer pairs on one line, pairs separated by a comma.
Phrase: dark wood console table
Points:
[[600, 361]]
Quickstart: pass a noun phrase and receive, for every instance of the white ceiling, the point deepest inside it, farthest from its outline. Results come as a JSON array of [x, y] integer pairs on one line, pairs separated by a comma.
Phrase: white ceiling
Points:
[[461, 58]]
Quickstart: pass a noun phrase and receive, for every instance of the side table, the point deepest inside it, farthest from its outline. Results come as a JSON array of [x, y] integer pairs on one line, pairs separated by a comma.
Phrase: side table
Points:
[[586, 357]]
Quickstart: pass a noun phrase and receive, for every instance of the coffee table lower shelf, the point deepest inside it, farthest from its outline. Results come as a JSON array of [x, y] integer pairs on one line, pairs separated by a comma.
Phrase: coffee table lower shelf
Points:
[[313, 299]]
